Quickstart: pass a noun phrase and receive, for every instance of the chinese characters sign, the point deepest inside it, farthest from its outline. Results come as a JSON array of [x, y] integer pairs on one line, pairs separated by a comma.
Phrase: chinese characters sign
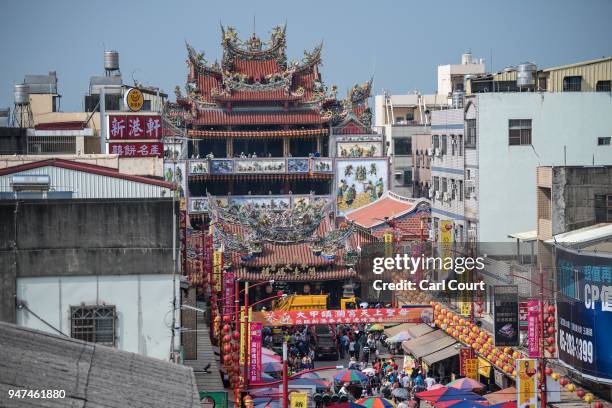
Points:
[[413, 314], [533, 328], [136, 149], [506, 315], [465, 353], [527, 383], [255, 353], [228, 293], [129, 127]]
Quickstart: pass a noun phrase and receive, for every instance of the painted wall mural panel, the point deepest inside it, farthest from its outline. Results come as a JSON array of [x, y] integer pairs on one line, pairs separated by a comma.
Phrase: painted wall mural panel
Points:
[[322, 165], [175, 173], [198, 167], [360, 149], [260, 166], [359, 182], [297, 165]]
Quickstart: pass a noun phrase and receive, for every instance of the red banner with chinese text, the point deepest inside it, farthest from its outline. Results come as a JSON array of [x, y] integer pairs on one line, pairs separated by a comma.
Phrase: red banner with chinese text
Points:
[[533, 328], [412, 314], [465, 354], [255, 353], [136, 149], [129, 127]]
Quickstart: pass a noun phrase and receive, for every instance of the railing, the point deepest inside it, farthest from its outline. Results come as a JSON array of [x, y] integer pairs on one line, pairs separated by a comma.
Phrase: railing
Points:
[[279, 202], [264, 165], [358, 130]]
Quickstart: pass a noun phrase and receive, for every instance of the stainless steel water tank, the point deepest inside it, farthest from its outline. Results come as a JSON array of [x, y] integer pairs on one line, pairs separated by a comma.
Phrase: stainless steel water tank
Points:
[[457, 99], [22, 94], [526, 74], [111, 60]]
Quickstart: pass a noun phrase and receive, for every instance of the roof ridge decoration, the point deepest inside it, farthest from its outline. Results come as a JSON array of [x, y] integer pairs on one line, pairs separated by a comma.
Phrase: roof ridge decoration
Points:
[[199, 62], [253, 48]]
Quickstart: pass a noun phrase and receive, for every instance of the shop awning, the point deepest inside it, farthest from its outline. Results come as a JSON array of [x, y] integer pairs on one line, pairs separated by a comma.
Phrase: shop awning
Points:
[[392, 331], [440, 355], [507, 394], [422, 343], [419, 330], [432, 342]]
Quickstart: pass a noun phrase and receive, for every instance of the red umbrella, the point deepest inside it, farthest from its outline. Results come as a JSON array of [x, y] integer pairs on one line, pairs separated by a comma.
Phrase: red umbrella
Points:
[[467, 384], [445, 404], [431, 395]]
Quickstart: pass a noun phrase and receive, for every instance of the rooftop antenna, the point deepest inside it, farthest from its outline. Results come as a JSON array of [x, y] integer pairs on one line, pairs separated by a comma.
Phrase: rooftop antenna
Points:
[[254, 24]]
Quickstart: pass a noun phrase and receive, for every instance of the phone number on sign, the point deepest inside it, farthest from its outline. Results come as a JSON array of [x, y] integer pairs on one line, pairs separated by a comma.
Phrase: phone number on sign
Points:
[[37, 394], [575, 347]]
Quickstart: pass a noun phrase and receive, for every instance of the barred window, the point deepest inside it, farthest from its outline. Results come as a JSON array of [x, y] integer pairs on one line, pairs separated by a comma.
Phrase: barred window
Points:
[[470, 129], [519, 132], [572, 83], [95, 324], [603, 86]]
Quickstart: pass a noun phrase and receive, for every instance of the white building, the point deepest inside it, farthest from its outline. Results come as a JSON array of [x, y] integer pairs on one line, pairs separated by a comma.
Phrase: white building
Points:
[[451, 76]]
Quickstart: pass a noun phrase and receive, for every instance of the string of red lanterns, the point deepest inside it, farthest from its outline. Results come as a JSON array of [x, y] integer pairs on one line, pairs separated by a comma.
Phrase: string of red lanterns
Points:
[[503, 358]]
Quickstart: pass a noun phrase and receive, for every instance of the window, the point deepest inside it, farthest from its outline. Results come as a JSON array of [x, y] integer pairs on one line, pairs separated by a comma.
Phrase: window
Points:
[[436, 183], [410, 116], [453, 189], [542, 84], [436, 141], [444, 146], [444, 185], [603, 141], [519, 132], [460, 145], [403, 146], [95, 324], [572, 83], [460, 190], [470, 129], [603, 207], [407, 177], [603, 86], [453, 145]]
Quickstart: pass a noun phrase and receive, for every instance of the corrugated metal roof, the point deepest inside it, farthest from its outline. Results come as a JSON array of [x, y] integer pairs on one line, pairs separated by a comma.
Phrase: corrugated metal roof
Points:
[[88, 181], [578, 64], [91, 375], [583, 235]]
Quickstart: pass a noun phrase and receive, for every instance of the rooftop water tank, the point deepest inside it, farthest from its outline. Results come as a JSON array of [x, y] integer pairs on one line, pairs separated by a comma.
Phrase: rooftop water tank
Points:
[[466, 58], [22, 94], [526, 74], [111, 60], [457, 99]]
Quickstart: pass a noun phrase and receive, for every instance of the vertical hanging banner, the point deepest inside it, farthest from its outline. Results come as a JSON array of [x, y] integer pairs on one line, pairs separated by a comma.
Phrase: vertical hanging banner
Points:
[[446, 245], [465, 353], [527, 383], [533, 328], [255, 352], [217, 268], [228, 293], [523, 316], [506, 315]]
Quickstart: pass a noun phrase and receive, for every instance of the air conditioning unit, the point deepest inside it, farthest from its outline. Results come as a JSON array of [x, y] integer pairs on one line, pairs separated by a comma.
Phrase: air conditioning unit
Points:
[[438, 194], [430, 151], [431, 193], [447, 196]]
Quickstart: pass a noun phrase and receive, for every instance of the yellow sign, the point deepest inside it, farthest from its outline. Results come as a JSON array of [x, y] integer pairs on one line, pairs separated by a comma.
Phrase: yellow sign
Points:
[[471, 368], [298, 399], [446, 242], [134, 99], [217, 267], [484, 367], [527, 383]]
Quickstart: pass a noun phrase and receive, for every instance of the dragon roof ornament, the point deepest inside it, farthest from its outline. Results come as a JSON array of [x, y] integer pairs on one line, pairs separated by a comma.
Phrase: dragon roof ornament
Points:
[[253, 48]]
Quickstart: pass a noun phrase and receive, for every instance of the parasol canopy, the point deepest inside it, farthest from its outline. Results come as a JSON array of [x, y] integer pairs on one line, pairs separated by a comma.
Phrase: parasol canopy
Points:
[[467, 384], [271, 367], [350, 376], [375, 402]]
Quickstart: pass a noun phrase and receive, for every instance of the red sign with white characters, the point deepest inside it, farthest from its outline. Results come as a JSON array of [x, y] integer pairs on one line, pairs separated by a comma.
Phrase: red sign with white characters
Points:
[[127, 127], [137, 149], [255, 352], [533, 328], [414, 314]]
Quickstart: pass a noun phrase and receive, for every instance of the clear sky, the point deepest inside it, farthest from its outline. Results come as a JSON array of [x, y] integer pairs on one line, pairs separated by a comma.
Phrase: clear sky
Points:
[[399, 42]]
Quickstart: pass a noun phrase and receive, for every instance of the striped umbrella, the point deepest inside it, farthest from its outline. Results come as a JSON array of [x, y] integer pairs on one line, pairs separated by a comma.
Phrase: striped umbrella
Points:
[[455, 394], [350, 376], [375, 402], [272, 367], [266, 358], [466, 384]]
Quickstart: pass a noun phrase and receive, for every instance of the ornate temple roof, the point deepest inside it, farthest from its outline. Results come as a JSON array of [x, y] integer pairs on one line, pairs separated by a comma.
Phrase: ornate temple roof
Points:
[[253, 72]]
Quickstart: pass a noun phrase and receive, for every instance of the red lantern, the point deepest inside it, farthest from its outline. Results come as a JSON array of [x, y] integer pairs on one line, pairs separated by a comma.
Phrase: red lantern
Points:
[[213, 299], [551, 350], [563, 381], [551, 330], [236, 357], [550, 340], [227, 328], [227, 348], [548, 371], [226, 338], [235, 347], [580, 393], [551, 309], [227, 319], [598, 404], [236, 335], [227, 359], [551, 319]]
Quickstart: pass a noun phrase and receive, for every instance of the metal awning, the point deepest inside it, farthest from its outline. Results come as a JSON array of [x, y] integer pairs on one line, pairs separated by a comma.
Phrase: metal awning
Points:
[[527, 236], [418, 346], [440, 355], [429, 343], [419, 330]]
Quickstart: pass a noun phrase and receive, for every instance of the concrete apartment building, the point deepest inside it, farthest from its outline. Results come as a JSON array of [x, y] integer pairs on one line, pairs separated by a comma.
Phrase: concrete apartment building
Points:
[[421, 165], [404, 116]]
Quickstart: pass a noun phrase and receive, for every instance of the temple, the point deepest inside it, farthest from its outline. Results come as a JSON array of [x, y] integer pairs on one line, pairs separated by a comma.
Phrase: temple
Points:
[[259, 125]]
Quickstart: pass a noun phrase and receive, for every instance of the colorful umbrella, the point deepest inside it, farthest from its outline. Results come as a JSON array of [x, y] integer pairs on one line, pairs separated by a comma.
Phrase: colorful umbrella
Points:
[[318, 384], [310, 375], [497, 397], [375, 402], [399, 337], [466, 384], [272, 367], [267, 351], [468, 404], [455, 394], [267, 358], [445, 404], [350, 376], [432, 395], [262, 392], [375, 327], [435, 387], [369, 371]]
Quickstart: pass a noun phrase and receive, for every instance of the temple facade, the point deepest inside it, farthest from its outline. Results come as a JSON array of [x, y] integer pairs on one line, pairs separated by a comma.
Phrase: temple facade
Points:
[[261, 128]]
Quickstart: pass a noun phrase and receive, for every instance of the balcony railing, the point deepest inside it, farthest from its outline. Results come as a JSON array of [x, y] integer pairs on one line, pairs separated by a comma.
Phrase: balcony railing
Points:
[[273, 202], [264, 165]]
